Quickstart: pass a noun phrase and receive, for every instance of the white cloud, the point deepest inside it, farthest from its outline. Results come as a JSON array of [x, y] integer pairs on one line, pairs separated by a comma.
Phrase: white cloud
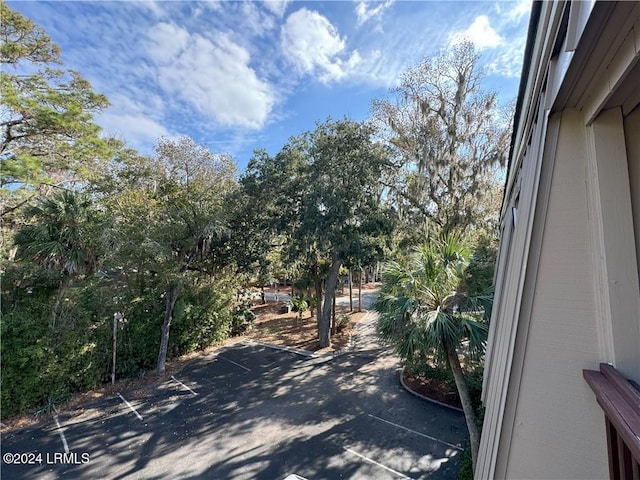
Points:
[[154, 7], [255, 21], [139, 131], [480, 33], [167, 41], [277, 7], [364, 12], [314, 46], [136, 117], [521, 8], [508, 61], [212, 75]]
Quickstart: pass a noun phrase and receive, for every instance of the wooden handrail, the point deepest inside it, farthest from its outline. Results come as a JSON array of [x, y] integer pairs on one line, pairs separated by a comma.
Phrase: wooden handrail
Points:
[[620, 401]]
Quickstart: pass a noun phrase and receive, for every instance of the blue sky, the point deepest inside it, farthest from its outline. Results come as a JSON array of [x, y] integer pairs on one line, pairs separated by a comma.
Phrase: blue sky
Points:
[[240, 75]]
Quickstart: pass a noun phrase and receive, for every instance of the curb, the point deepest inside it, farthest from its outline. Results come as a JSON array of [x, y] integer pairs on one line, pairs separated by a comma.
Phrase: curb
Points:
[[297, 351], [428, 399], [306, 353]]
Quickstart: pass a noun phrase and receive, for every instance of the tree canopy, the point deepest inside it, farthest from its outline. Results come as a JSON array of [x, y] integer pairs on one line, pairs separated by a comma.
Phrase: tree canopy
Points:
[[322, 194], [48, 137], [449, 135]]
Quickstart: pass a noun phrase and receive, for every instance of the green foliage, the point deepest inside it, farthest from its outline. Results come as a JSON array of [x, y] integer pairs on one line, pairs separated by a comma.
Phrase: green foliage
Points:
[[478, 278], [40, 363], [23, 40], [313, 302], [299, 303], [342, 321], [62, 234], [242, 317], [422, 309], [465, 471], [48, 136], [317, 203]]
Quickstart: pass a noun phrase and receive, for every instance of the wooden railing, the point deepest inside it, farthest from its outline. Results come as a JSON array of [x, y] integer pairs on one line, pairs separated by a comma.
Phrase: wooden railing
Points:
[[620, 400]]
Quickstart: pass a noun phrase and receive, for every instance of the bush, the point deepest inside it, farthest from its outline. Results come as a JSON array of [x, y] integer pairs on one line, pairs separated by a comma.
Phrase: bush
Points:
[[342, 321], [299, 303], [465, 472], [44, 362], [242, 317]]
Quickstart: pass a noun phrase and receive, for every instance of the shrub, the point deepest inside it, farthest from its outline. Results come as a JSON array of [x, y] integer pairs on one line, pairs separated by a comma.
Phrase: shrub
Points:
[[242, 317], [44, 362], [299, 303], [342, 321]]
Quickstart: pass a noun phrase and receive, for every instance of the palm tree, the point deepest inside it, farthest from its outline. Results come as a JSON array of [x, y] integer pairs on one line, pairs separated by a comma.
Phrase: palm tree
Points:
[[60, 239], [424, 313]]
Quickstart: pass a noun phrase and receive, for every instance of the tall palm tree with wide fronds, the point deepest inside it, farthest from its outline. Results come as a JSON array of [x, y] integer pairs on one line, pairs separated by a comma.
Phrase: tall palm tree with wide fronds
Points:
[[425, 313], [60, 238]]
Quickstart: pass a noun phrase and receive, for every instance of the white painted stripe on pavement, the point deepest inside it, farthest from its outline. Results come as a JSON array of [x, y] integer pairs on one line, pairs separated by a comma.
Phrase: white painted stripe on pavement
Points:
[[61, 433], [131, 407], [178, 381], [231, 361], [416, 433], [402, 475]]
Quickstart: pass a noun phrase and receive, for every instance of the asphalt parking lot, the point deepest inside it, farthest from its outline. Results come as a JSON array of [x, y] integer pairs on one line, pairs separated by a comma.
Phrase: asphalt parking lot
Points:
[[251, 412]]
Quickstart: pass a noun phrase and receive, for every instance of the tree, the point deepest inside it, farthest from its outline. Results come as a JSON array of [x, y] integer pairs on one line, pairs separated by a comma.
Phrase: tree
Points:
[[449, 136], [342, 211], [63, 237], [48, 137], [266, 210], [319, 200], [425, 312], [187, 222]]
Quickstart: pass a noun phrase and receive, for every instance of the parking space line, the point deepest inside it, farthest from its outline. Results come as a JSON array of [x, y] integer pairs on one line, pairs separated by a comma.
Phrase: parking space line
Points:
[[402, 475], [178, 381], [416, 433], [131, 407], [61, 433], [231, 361]]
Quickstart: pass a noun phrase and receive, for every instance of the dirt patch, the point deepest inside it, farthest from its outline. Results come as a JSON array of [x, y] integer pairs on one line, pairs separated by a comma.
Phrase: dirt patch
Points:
[[438, 390], [273, 324]]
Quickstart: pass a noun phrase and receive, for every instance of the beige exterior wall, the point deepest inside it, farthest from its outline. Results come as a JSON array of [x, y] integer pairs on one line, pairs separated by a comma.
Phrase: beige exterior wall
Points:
[[558, 430], [632, 136], [568, 284]]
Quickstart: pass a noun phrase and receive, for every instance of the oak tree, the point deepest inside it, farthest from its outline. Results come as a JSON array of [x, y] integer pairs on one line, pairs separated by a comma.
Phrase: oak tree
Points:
[[449, 135]]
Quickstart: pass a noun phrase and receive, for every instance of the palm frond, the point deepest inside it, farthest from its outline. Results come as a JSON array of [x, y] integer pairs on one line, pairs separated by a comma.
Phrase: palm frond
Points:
[[476, 332], [422, 311]]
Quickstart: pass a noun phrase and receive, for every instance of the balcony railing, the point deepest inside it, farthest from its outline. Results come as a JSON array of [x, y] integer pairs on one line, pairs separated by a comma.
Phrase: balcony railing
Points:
[[620, 400]]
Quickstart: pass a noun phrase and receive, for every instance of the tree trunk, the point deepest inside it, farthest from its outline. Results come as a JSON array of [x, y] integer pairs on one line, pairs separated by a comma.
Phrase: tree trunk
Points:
[[318, 285], [360, 292], [467, 406], [262, 296], [324, 328], [62, 289], [172, 295], [333, 317], [350, 292]]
